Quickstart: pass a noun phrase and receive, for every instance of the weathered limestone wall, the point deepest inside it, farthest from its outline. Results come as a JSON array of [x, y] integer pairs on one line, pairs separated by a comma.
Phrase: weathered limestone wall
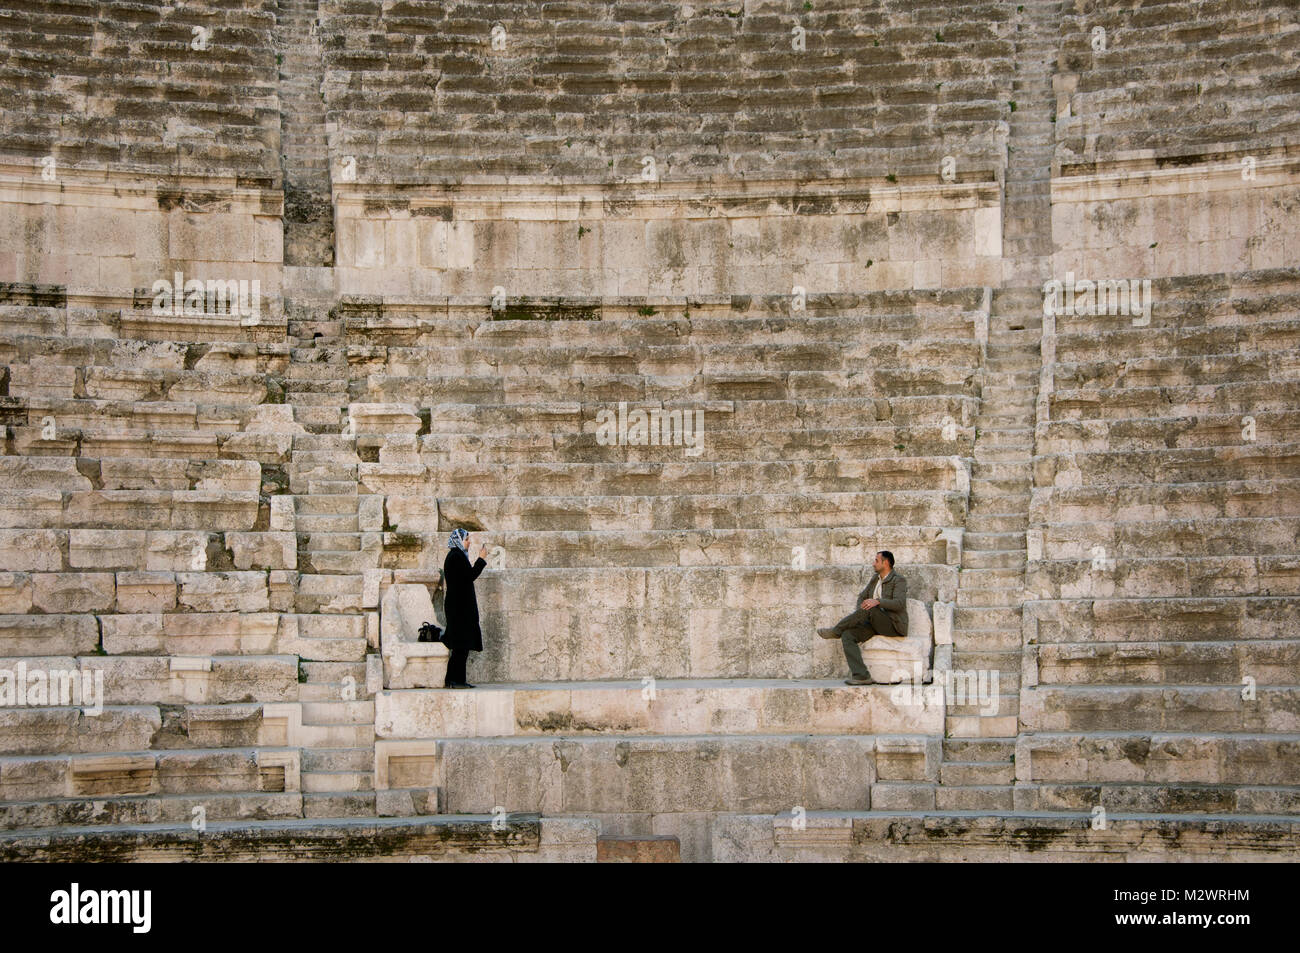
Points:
[[107, 233], [644, 239], [1154, 218]]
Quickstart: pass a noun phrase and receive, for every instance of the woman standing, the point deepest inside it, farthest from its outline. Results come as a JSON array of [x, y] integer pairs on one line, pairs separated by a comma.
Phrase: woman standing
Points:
[[461, 607]]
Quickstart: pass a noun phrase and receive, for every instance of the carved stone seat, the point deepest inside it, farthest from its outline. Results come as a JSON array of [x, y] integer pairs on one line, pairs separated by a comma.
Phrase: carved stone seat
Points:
[[409, 663]]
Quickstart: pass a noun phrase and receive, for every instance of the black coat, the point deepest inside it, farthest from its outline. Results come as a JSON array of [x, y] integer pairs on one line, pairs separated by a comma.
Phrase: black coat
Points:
[[459, 603]]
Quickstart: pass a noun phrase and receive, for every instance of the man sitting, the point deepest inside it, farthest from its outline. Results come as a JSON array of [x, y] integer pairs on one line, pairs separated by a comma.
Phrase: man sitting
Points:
[[882, 610]]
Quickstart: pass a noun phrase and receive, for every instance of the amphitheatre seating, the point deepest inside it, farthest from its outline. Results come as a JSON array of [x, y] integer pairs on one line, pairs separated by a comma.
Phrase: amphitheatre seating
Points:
[[880, 89], [1176, 76], [125, 87], [232, 526], [1167, 557]]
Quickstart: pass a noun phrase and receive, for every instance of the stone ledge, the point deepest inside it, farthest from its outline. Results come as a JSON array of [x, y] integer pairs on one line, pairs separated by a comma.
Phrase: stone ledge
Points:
[[357, 839]]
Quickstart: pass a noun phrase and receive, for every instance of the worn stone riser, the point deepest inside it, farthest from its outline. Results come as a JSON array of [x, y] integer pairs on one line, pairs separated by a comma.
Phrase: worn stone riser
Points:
[[1276, 395], [144, 680], [1182, 799], [1142, 619], [661, 512], [985, 837], [1279, 535], [1161, 503], [468, 481], [51, 473], [717, 442], [769, 774], [846, 546], [1178, 371], [664, 707], [148, 809], [757, 385], [1159, 757], [1269, 662], [1076, 354], [217, 422], [1171, 577], [1173, 467], [517, 364], [230, 771], [1218, 430], [1081, 707], [919, 413]]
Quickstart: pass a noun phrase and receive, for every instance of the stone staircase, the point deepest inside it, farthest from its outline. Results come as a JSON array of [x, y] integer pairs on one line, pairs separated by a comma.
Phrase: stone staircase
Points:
[[978, 772], [987, 637], [308, 205], [1027, 202]]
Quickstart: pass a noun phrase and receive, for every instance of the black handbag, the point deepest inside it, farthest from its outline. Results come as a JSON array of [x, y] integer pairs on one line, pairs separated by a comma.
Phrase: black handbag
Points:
[[430, 633]]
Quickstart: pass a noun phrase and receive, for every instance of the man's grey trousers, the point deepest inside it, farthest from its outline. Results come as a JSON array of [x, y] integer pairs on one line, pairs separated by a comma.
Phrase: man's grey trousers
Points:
[[858, 626]]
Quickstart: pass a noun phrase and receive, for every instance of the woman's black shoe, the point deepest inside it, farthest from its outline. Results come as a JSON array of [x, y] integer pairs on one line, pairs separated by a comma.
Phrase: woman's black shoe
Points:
[[458, 685]]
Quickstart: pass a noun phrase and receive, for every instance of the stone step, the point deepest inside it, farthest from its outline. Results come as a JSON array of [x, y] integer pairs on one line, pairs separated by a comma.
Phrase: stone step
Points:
[[327, 524], [322, 760], [338, 713], [996, 530], [902, 796], [645, 549], [701, 511], [978, 726], [345, 561], [971, 698], [982, 832], [326, 444], [331, 487], [333, 804], [992, 578], [1167, 757], [332, 504], [986, 617], [1014, 473], [335, 782], [767, 774], [1174, 798], [1270, 662], [1003, 421], [983, 798], [456, 479], [128, 810], [984, 750], [978, 640], [667, 707], [332, 691], [334, 673], [976, 774], [333, 542], [990, 598], [994, 559], [1205, 708], [1001, 454]]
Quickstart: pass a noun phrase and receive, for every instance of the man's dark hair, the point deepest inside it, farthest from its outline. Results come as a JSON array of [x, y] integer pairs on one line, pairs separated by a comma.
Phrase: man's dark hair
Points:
[[888, 555]]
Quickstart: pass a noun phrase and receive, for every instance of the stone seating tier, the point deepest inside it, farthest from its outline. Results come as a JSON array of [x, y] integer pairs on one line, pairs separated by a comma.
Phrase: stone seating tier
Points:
[[147, 122]]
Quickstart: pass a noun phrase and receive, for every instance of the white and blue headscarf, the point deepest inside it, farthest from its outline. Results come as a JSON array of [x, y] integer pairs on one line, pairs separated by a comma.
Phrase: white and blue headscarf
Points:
[[457, 540]]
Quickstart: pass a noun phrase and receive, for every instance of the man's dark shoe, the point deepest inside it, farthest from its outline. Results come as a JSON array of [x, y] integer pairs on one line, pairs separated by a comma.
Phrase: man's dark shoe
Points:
[[828, 633], [858, 681]]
